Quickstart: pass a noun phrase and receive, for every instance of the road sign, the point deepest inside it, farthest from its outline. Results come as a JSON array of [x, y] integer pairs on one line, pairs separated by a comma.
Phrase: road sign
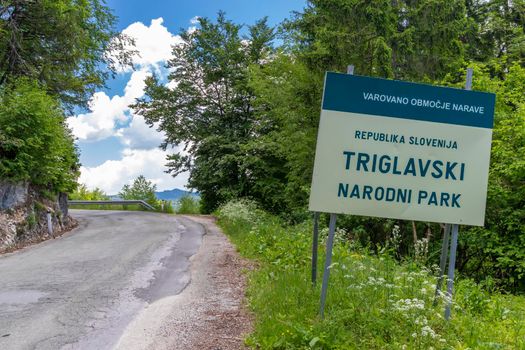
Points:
[[402, 150]]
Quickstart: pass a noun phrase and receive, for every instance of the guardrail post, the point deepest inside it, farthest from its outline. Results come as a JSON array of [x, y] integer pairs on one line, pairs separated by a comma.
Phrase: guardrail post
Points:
[[49, 224]]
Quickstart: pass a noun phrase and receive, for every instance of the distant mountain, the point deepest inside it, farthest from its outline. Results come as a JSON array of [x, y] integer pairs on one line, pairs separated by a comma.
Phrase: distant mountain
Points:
[[175, 194], [168, 195]]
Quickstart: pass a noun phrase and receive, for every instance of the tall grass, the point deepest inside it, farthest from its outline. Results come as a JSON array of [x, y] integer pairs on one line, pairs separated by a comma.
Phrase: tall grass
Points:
[[374, 302], [188, 205]]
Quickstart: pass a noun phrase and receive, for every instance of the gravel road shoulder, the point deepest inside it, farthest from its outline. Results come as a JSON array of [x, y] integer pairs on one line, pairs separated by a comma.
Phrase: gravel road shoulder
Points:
[[209, 314]]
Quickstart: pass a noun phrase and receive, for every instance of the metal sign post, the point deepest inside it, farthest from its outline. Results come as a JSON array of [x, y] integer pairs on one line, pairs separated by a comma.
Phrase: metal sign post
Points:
[[455, 230], [451, 269], [329, 244], [315, 245], [442, 261], [328, 261]]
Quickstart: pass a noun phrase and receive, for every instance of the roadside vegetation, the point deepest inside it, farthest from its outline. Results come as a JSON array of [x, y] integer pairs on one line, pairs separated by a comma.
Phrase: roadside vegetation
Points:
[[188, 205], [375, 300], [53, 55], [140, 189], [246, 102]]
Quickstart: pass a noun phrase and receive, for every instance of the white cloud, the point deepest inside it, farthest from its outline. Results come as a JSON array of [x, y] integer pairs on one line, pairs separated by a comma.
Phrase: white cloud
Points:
[[194, 22], [111, 116], [153, 43], [136, 85], [111, 175], [139, 135], [107, 113], [99, 123]]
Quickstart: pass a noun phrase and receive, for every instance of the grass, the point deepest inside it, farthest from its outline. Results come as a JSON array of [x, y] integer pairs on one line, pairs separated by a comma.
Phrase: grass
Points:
[[374, 302], [188, 205]]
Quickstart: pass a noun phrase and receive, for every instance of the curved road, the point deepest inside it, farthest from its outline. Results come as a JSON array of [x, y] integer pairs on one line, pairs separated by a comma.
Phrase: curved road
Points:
[[81, 291]]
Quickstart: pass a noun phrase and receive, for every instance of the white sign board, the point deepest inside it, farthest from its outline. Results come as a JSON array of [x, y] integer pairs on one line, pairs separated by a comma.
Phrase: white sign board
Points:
[[402, 150]]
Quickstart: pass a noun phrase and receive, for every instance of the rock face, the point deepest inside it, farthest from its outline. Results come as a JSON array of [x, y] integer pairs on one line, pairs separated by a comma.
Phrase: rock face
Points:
[[62, 204], [13, 194], [23, 215]]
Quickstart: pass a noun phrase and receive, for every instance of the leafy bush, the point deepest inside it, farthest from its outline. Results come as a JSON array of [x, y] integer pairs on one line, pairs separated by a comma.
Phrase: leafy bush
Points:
[[373, 301], [188, 205], [165, 207], [496, 251], [241, 210], [35, 144], [83, 193]]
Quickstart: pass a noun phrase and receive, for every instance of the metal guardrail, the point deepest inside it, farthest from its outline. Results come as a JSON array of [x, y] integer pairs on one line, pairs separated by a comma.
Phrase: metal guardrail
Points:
[[118, 202]]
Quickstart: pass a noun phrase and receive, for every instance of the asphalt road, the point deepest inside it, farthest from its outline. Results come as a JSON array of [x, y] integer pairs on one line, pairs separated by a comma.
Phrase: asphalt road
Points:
[[80, 291]]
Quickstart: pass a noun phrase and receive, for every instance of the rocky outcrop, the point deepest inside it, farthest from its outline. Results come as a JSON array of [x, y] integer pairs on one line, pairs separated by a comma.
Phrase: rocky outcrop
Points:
[[62, 204], [13, 195], [23, 214]]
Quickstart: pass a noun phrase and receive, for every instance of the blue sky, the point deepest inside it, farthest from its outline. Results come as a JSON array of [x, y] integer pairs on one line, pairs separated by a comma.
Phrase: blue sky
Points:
[[116, 146]]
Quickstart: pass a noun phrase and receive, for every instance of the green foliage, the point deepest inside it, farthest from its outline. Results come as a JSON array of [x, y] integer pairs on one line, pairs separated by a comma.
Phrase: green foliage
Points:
[[211, 111], [288, 100], [83, 193], [35, 144], [380, 37], [496, 251], [40, 207], [141, 189], [31, 220], [393, 39], [188, 205], [247, 113], [373, 302], [64, 44], [498, 31]]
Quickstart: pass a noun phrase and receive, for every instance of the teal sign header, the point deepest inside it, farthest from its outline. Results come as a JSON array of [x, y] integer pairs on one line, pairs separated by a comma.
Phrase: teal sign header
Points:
[[392, 98]]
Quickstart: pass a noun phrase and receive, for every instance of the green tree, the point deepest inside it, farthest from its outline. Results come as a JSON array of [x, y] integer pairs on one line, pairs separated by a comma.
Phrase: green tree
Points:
[[141, 189], [495, 253], [288, 105], [402, 39], [499, 31], [65, 45], [381, 38], [394, 39], [211, 112], [35, 145], [83, 193]]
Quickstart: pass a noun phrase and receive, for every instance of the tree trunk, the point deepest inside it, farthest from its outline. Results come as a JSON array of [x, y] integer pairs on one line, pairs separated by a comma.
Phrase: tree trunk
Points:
[[414, 232]]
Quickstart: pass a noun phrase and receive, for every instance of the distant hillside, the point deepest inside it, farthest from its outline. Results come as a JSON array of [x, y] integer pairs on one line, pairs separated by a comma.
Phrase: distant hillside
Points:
[[168, 195], [175, 194]]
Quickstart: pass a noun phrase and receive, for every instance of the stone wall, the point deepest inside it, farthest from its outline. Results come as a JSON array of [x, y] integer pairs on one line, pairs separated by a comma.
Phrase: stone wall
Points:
[[23, 215], [13, 195]]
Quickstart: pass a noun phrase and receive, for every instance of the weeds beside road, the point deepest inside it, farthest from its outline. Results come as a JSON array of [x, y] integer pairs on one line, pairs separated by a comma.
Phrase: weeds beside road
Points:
[[374, 301]]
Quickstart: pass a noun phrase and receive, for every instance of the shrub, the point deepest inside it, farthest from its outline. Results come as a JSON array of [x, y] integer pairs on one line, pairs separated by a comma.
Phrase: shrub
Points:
[[374, 301], [35, 143], [188, 205]]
